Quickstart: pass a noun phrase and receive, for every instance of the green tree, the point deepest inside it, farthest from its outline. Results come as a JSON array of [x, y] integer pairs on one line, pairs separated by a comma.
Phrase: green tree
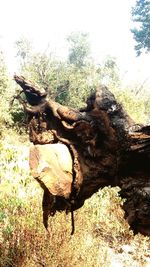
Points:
[[3, 75], [6, 93], [141, 33], [82, 81], [64, 81], [23, 50], [79, 48], [70, 82], [109, 73]]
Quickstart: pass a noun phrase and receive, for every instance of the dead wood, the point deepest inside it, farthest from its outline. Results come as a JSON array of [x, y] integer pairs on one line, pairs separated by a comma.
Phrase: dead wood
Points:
[[103, 145]]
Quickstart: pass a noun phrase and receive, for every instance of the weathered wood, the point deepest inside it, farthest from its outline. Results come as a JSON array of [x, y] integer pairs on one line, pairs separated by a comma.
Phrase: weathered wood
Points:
[[106, 148], [51, 165]]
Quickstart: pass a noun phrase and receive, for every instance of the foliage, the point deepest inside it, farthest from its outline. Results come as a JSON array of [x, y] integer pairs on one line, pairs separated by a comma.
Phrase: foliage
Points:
[[70, 85], [11, 114], [147, 109], [5, 117], [23, 50], [66, 81], [109, 73], [80, 84], [63, 81], [133, 104], [42, 69], [141, 33], [3, 75], [79, 48]]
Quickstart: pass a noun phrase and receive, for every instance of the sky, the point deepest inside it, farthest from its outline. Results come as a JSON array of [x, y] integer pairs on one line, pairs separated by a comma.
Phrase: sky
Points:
[[48, 22]]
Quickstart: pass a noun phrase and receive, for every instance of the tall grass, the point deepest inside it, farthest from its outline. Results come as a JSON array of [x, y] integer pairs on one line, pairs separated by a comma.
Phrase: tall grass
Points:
[[102, 236]]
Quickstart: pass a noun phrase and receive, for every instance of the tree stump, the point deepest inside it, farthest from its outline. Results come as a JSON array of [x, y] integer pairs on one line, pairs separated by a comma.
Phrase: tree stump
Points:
[[77, 152]]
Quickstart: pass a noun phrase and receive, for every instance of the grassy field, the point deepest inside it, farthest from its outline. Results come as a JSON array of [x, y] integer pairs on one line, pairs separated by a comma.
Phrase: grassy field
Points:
[[102, 237]]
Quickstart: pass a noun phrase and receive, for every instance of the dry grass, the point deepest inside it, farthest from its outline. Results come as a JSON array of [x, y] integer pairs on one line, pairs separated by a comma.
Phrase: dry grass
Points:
[[102, 236]]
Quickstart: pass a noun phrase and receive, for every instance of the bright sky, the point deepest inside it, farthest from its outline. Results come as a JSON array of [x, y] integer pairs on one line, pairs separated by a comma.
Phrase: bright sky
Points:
[[48, 22]]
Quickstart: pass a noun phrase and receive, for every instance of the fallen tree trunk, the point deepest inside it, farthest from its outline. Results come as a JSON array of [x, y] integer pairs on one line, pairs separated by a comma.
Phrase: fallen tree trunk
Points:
[[76, 152]]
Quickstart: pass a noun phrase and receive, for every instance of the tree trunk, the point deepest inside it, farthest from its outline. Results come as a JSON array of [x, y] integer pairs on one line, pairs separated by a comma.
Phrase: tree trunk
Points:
[[101, 145]]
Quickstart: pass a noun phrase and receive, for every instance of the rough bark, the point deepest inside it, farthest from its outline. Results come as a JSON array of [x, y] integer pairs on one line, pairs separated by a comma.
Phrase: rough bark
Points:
[[106, 148]]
